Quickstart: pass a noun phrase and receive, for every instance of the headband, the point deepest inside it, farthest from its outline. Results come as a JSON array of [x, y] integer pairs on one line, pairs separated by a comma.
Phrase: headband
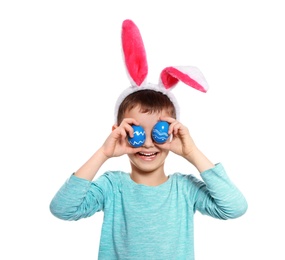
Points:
[[137, 69]]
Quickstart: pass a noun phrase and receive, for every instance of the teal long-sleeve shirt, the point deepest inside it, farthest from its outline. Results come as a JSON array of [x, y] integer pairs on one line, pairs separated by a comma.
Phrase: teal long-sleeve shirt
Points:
[[145, 222]]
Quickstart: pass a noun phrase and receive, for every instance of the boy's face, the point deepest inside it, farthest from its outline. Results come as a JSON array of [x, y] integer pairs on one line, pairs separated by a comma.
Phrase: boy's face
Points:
[[152, 156]]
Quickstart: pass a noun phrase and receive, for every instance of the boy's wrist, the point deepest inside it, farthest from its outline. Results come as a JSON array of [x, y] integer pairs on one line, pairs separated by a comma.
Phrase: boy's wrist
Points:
[[199, 160]]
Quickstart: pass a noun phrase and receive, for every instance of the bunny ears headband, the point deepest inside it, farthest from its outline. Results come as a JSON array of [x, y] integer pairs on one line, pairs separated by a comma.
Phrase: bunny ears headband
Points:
[[137, 68]]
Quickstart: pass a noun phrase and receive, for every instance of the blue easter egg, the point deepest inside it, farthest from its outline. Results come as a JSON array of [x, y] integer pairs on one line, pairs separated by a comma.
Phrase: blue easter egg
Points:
[[139, 136], [160, 132]]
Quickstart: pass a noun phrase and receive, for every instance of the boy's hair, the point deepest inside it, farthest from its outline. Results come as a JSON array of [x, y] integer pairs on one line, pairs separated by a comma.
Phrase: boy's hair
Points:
[[149, 101]]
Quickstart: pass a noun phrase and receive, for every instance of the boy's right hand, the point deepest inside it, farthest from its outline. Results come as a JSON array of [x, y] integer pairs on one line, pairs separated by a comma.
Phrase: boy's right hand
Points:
[[116, 143]]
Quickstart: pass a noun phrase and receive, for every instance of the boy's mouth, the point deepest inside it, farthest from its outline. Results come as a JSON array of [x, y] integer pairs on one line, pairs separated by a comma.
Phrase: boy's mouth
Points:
[[147, 155]]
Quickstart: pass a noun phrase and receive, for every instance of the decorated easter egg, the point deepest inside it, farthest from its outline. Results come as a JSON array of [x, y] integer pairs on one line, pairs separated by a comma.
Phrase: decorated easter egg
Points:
[[139, 136], [160, 132]]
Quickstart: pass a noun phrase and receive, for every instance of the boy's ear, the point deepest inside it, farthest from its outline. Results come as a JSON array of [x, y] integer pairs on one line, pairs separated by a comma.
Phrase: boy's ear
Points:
[[114, 127]]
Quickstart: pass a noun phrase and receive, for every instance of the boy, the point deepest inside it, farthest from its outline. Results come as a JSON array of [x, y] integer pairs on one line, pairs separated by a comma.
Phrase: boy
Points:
[[147, 214]]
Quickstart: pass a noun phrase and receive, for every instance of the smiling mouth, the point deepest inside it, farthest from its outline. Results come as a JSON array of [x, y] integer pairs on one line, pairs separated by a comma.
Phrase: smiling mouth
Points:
[[147, 154]]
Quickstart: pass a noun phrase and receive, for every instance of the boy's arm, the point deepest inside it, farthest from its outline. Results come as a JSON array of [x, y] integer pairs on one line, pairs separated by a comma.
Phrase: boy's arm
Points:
[[114, 146], [77, 198], [182, 144], [199, 160], [80, 198], [218, 196], [89, 169]]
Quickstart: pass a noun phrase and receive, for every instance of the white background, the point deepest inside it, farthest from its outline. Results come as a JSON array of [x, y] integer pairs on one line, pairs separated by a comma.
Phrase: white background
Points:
[[61, 70]]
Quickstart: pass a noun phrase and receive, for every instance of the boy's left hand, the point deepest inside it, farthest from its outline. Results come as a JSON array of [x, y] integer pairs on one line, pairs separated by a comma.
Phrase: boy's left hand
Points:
[[181, 143]]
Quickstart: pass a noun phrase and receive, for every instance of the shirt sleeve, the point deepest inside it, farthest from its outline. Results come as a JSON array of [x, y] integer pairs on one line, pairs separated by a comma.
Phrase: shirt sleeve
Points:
[[79, 198], [218, 196]]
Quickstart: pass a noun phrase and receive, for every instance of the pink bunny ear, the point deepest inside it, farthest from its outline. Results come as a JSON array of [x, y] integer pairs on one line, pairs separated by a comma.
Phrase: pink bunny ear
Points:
[[191, 76], [134, 52]]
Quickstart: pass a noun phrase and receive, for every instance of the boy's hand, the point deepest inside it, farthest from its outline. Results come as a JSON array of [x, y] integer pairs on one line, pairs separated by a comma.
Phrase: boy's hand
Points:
[[181, 143], [116, 144]]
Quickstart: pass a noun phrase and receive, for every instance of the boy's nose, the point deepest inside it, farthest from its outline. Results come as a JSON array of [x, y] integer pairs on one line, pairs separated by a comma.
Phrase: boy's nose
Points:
[[148, 141]]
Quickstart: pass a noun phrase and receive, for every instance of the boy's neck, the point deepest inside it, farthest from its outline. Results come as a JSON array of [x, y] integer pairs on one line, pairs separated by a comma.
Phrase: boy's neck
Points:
[[149, 179]]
